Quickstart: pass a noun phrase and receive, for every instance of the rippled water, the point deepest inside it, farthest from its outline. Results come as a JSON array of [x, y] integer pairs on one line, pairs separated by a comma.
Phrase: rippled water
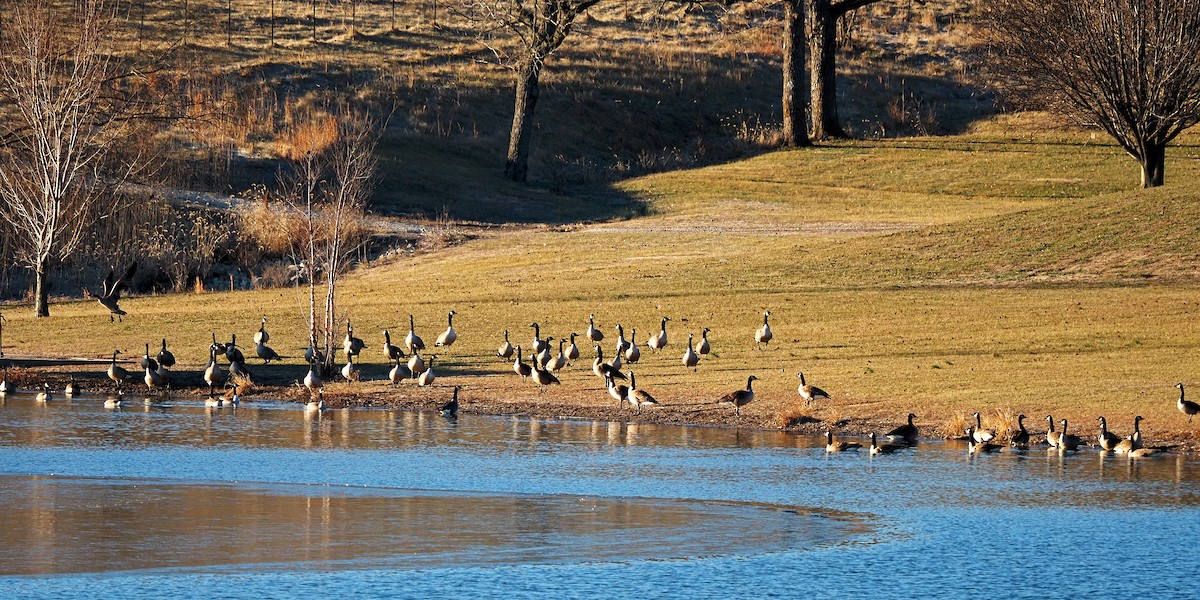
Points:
[[178, 499]]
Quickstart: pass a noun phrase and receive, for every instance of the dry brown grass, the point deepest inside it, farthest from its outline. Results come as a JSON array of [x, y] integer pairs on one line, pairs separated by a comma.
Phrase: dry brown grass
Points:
[[791, 416]]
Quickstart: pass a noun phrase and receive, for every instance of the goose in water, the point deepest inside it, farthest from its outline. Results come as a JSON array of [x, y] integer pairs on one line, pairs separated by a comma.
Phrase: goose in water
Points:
[[317, 405], [978, 433], [740, 398], [116, 401], [977, 447], [1021, 437], [6, 387], [1107, 440], [1054, 438], [839, 446], [116, 372], [1067, 441], [450, 409], [45, 395], [72, 388], [884, 449], [763, 334], [810, 393], [506, 349], [906, 433], [449, 335]]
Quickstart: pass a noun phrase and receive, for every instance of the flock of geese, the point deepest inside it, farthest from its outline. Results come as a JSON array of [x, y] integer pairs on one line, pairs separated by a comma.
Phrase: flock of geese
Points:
[[542, 367]]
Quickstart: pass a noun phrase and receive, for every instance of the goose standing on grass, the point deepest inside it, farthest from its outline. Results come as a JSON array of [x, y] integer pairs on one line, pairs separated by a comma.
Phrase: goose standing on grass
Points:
[[312, 379], [616, 361], [1021, 437], [977, 447], [311, 354], [317, 405], [218, 346], [72, 388], [592, 333], [638, 398], [622, 345], [618, 392], [416, 364], [632, 353], [740, 398], [1107, 440], [425, 379], [350, 370], [266, 353], [703, 348], [165, 357], [449, 335], [115, 401], [519, 366], [1186, 407], [412, 341], [884, 449], [906, 433], [810, 393], [8, 388], [538, 343], [763, 334], [1067, 441], [506, 349], [658, 342], [111, 292], [261, 336], [352, 345], [573, 350], [391, 351], [1054, 438], [45, 395], [450, 409], [559, 361], [543, 377], [116, 372], [399, 373], [212, 373], [603, 369], [232, 354], [978, 433], [690, 358], [840, 446], [545, 356]]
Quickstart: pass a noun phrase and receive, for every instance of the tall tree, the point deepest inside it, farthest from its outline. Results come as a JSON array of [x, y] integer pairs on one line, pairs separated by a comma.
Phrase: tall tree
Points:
[[795, 118], [822, 47], [1128, 67]]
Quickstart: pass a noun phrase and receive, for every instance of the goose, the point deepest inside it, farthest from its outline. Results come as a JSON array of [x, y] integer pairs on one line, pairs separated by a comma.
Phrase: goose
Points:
[[1107, 439], [153, 379], [232, 354], [740, 398], [449, 335], [352, 345], [312, 379], [978, 433], [416, 364], [72, 388], [350, 370], [231, 400], [425, 379], [703, 348], [1136, 436], [658, 342], [506, 349], [111, 292], [592, 333], [266, 353], [116, 401], [977, 447], [1186, 407], [165, 375], [543, 377], [1067, 441], [1144, 452], [1021, 437], [519, 366], [261, 336], [884, 449], [165, 357], [690, 358], [763, 334], [399, 373], [1054, 438], [632, 354], [559, 361], [147, 362], [391, 351], [311, 354], [616, 361], [450, 409], [318, 405], [212, 373], [116, 372], [218, 346], [8, 388], [238, 368], [603, 369], [45, 395], [545, 356], [412, 341], [831, 446], [810, 393], [905, 433], [621, 343], [618, 392], [638, 398], [573, 350], [538, 343]]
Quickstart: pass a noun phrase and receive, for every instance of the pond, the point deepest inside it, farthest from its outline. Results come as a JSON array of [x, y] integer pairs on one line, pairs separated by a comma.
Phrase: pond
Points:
[[175, 498]]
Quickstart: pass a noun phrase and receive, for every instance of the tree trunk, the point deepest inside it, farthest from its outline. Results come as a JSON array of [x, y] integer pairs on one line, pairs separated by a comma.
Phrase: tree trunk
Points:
[[795, 123], [822, 47], [1154, 159], [517, 166], [41, 300]]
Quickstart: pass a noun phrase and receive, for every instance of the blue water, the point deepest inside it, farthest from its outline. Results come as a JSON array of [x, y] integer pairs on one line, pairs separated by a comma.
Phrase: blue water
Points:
[[929, 522]]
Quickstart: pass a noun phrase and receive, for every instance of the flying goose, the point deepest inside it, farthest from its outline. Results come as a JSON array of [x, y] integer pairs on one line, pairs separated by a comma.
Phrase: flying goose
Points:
[[690, 358], [538, 343], [592, 333], [740, 398], [1067, 441], [426, 377], [573, 350], [8, 388], [45, 395], [399, 373], [416, 364], [559, 361], [618, 392], [703, 348], [1186, 407], [212, 373], [543, 377], [352, 345], [884, 449], [978, 433], [621, 343], [545, 356], [391, 351], [840, 446], [1021, 437], [412, 341], [632, 354], [763, 334], [905, 433], [449, 335], [506, 349], [450, 409], [318, 405], [1107, 439], [111, 293], [266, 353], [350, 370], [165, 357], [658, 342], [519, 366], [232, 354], [603, 369], [810, 393], [638, 398], [72, 388], [115, 401], [977, 447], [116, 372], [261, 336], [1054, 438]]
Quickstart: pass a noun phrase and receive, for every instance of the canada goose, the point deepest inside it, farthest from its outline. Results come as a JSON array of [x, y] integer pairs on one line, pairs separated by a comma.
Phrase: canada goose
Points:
[[153, 379], [573, 350], [218, 346], [884, 449], [1186, 407], [810, 393], [232, 400], [703, 348], [1067, 441], [616, 361], [592, 333], [312, 379], [147, 362], [266, 353], [238, 368], [8, 388], [232, 354], [545, 356], [72, 388], [311, 354], [740, 398], [45, 395], [214, 401], [506, 349], [416, 364], [905, 433], [690, 358], [1136, 436], [450, 409], [261, 336], [1021, 437], [658, 342], [519, 366], [318, 405], [831, 446], [1107, 440], [632, 354], [426, 377], [543, 377], [212, 373], [399, 373], [412, 341], [538, 343], [559, 361], [116, 401], [763, 334], [621, 343], [638, 398], [352, 345], [1144, 452], [165, 357], [603, 369], [116, 372], [449, 335], [977, 447], [111, 292], [978, 433], [350, 370], [1054, 438], [165, 375], [391, 351], [618, 392]]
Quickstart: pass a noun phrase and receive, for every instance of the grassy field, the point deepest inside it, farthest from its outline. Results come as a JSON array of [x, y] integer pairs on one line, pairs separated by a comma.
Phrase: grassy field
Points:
[[988, 271]]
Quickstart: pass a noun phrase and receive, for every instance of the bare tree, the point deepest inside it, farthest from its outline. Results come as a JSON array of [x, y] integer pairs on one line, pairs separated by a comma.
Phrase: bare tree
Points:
[[62, 120], [822, 48], [538, 27], [1128, 67]]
